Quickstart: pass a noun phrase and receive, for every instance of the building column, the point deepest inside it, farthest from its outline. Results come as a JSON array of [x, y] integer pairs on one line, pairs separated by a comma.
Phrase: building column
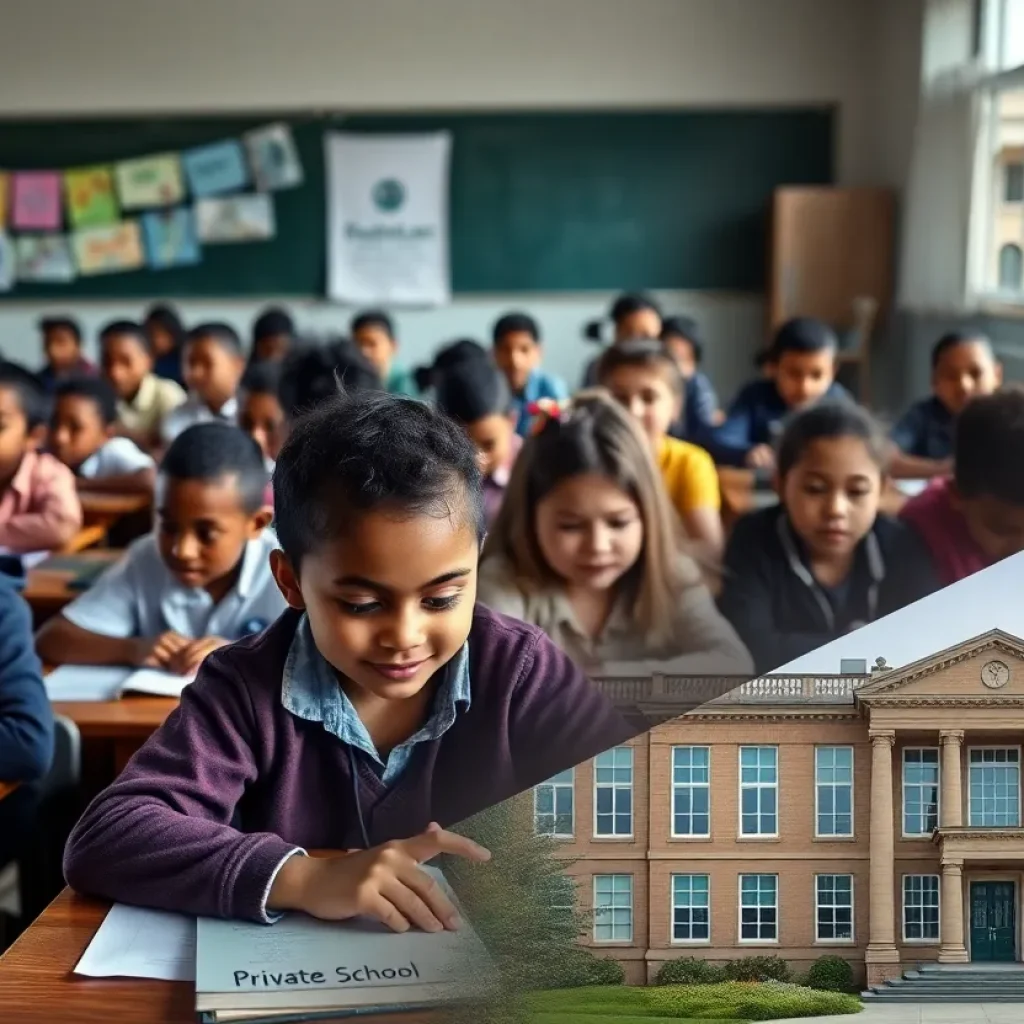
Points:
[[882, 957], [951, 804], [951, 914]]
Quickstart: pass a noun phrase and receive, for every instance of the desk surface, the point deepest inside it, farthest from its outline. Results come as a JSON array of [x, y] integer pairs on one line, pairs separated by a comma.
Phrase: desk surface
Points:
[[47, 589], [101, 507], [130, 717]]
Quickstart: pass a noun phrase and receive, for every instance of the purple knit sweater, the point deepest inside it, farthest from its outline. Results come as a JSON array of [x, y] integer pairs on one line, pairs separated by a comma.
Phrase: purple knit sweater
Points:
[[205, 811]]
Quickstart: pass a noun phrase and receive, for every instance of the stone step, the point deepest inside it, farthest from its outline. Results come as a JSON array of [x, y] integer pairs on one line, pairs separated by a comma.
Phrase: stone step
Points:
[[910, 997], [973, 989]]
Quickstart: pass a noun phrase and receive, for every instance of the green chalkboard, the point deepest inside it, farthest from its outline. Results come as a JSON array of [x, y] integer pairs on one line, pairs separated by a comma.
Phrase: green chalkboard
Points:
[[550, 202]]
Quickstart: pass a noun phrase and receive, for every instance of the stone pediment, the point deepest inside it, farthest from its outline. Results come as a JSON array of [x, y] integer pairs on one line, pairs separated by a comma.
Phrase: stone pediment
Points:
[[989, 668]]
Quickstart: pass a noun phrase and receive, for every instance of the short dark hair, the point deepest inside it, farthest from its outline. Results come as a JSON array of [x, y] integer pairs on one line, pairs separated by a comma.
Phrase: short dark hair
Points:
[[373, 318], [262, 379], [988, 446], [803, 334], [630, 303], [315, 371], [272, 321], [648, 354], [94, 389], [166, 317], [124, 329], [686, 328], [61, 323], [953, 339], [518, 322], [211, 451], [471, 391], [366, 450], [31, 395], [219, 333], [830, 420], [447, 358]]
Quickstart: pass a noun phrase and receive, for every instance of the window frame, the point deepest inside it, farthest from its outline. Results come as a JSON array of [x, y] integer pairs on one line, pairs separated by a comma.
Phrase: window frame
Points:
[[938, 909], [1016, 748], [817, 789], [758, 786], [672, 908], [571, 786], [903, 793], [673, 786], [616, 787], [739, 909], [596, 909], [852, 940]]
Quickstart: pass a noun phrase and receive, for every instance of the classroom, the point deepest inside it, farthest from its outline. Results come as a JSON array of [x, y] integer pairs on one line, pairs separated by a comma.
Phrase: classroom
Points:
[[392, 388]]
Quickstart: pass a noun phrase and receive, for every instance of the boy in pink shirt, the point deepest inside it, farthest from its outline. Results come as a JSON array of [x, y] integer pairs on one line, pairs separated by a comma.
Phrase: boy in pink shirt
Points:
[[976, 518]]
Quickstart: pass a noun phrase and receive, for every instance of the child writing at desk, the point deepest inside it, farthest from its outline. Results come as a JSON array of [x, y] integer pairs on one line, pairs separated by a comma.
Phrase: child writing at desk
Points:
[[199, 581], [383, 705]]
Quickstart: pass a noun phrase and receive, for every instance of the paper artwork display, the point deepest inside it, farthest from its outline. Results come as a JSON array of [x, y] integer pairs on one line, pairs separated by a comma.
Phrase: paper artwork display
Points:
[[7, 266], [150, 181], [215, 169], [35, 201], [44, 259], [90, 197], [170, 237], [247, 218], [273, 157], [107, 250]]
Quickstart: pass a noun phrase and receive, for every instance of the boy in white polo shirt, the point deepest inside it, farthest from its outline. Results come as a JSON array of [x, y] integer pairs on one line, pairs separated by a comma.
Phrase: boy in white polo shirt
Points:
[[201, 580]]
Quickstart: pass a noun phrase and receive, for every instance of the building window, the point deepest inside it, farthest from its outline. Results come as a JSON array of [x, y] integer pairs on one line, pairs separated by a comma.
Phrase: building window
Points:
[[920, 908], [994, 788], [613, 908], [920, 791], [833, 777], [691, 909], [833, 896], [691, 791], [759, 908], [553, 813], [1011, 268], [1013, 183], [613, 792], [759, 791]]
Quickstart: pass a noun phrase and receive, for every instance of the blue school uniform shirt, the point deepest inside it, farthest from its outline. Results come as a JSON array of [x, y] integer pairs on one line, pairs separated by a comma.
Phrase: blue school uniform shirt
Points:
[[539, 385], [700, 403], [925, 430]]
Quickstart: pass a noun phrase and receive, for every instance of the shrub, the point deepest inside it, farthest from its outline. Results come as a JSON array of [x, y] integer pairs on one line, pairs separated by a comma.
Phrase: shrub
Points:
[[689, 970], [757, 968], [831, 974], [732, 1001]]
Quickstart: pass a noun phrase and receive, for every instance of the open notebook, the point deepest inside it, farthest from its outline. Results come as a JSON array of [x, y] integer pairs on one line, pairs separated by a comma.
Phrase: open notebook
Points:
[[104, 682]]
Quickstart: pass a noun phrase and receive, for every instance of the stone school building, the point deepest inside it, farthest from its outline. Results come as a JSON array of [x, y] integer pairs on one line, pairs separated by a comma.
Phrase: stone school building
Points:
[[876, 816]]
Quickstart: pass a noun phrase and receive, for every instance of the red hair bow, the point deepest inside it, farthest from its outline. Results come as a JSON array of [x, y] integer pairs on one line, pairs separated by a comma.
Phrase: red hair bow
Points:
[[543, 411]]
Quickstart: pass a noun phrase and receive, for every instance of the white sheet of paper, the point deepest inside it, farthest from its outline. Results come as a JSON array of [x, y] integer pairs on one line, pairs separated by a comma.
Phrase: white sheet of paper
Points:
[[29, 559], [137, 943], [911, 487], [85, 682], [155, 682]]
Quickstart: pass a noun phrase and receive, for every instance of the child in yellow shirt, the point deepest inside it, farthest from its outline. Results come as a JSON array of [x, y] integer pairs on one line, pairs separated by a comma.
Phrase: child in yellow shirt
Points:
[[644, 378]]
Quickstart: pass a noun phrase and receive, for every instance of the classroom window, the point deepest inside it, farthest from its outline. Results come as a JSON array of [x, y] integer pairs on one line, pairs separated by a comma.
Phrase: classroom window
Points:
[[833, 908], [994, 787], [691, 908], [759, 791], [759, 908], [1013, 183], [1011, 268], [920, 791], [613, 908], [920, 908], [553, 812], [691, 791], [833, 777], [613, 793]]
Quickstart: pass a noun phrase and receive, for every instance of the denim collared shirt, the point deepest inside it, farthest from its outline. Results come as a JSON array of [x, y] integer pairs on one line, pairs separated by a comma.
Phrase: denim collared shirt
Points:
[[310, 690]]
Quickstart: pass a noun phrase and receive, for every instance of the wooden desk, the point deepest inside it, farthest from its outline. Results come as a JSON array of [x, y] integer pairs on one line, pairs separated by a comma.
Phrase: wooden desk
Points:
[[7, 788], [47, 591], [87, 537], [106, 509]]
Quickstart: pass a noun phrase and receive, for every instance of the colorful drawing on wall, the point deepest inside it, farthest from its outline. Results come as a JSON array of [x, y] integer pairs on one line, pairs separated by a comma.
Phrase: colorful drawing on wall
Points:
[[273, 157], [170, 237], [45, 259], [236, 219], [150, 181], [35, 201], [89, 192], [5, 191], [108, 250], [216, 169], [7, 268]]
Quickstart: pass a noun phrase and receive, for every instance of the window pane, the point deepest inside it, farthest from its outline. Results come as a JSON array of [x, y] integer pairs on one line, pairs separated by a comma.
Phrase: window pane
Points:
[[1005, 191]]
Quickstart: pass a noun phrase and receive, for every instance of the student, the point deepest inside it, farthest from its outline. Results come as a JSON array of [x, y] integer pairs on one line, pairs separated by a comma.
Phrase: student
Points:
[[374, 334], [517, 351], [700, 403], [824, 561], [313, 373], [260, 413], [635, 317], [273, 334], [62, 345], [82, 437], [213, 369], [144, 399], [803, 360], [384, 704], [166, 334], [645, 379], [963, 367], [585, 547], [976, 518], [199, 581], [474, 394], [39, 506]]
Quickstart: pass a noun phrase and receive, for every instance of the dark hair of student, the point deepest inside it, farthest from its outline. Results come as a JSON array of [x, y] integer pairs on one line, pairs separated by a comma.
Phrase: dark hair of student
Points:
[[685, 328], [521, 323], [447, 358], [124, 329], [373, 318], [988, 446], [828, 421], [764, 357], [650, 355], [208, 452], [803, 334], [272, 321], [94, 389], [31, 395], [167, 318], [219, 333], [630, 303], [471, 391], [61, 323], [955, 338], [314, 372], [367, 450], [262, 379]]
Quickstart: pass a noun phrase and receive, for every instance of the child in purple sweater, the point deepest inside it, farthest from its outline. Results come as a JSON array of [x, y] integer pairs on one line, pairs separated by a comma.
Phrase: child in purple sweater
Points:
[[384, 706]]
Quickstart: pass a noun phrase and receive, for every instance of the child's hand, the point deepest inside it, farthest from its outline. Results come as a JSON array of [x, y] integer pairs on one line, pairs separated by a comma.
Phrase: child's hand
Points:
[[158, 652], [384, 883], [185, 661], [761, 456]]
